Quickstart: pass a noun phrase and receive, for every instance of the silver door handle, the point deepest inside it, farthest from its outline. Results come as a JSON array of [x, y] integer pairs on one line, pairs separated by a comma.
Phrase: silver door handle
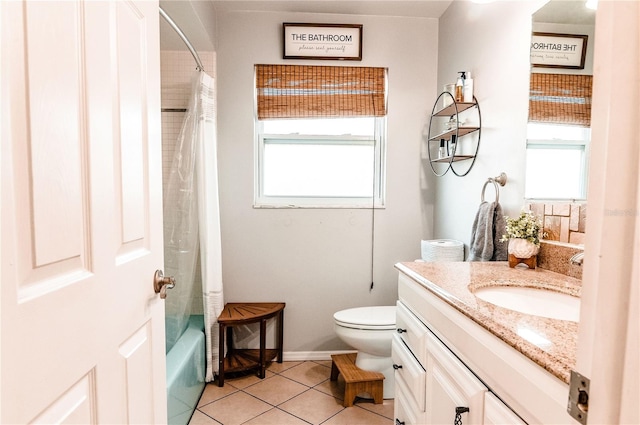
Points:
[[162, 283]]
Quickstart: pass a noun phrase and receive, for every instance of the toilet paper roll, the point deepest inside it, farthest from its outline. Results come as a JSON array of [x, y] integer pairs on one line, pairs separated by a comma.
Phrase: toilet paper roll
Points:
[[442, 250]]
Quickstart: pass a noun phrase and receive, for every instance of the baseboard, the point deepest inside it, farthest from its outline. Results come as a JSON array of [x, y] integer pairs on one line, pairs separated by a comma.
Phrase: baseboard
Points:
[[301, 356]]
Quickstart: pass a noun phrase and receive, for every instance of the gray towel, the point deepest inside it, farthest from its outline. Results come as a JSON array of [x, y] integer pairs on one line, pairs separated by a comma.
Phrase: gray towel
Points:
[[488, 227]]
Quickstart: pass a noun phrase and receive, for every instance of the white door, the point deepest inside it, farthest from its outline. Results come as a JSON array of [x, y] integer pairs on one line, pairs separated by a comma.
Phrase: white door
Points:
[[608, 349], [82, 329]]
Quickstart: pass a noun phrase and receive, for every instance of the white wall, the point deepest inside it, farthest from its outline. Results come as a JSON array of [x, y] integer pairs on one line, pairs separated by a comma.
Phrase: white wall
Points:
[[492, 41], [318, 261]]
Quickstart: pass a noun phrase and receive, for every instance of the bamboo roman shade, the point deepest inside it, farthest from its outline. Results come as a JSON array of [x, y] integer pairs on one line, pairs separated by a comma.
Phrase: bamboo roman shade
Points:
[[300, 91], [560, 99]]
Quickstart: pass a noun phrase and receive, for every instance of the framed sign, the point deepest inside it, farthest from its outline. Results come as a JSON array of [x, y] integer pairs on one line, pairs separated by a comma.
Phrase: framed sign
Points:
[[322, 41], [551, 50]]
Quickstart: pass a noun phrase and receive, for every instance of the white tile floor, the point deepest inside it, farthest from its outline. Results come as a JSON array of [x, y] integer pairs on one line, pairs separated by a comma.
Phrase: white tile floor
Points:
[[291, 393]]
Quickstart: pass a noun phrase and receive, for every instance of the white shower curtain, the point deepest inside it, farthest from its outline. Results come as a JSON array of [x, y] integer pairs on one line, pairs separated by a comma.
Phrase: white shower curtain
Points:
[[192, 222], [209, 218]]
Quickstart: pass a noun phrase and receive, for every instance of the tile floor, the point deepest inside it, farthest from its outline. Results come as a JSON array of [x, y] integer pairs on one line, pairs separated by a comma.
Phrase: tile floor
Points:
[[291, 393]]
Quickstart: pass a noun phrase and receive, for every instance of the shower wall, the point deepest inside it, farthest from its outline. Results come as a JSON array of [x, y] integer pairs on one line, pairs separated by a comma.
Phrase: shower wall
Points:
[[177, 69]]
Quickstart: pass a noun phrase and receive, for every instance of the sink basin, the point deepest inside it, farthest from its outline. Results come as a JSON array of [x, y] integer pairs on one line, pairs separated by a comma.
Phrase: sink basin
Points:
[[533, 301]]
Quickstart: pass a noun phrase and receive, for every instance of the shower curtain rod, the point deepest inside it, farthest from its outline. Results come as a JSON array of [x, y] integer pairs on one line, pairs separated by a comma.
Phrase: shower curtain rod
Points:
[[184, 38]]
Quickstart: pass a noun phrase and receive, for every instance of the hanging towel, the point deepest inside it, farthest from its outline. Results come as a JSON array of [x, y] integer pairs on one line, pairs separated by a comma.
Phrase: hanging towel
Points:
[[488, 227]]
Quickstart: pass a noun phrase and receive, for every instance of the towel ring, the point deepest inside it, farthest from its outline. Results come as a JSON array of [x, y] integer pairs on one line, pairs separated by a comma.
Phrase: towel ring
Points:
[[496, 187], [500, 180]]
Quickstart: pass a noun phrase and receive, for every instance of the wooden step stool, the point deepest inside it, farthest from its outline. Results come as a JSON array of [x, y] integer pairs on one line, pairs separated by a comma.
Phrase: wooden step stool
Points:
[[357, 380]]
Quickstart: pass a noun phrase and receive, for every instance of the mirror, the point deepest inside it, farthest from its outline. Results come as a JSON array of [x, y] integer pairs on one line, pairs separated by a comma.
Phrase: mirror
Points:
[[558, 132]]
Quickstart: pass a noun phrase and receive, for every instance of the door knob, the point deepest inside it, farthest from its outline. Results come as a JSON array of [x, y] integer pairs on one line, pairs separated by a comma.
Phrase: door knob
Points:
[[162, 283]]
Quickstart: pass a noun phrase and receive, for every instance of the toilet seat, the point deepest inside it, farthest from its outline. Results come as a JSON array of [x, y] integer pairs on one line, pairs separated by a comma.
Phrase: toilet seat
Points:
[[373, 318]]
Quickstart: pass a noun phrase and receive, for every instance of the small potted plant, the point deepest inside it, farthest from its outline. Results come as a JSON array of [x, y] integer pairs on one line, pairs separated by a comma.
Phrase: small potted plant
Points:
[[523, 234]]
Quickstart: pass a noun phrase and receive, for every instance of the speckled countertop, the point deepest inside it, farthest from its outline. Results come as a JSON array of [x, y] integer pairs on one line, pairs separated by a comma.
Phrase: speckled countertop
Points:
[[548, 342]]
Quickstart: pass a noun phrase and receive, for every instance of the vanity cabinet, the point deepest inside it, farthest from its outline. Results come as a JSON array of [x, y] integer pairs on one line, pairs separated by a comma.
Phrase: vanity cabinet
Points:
[[452, 390], [497, 413], [433, 384]]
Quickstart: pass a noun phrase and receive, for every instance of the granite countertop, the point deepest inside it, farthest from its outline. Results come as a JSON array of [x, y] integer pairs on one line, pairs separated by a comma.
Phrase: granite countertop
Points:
[[548, 342]]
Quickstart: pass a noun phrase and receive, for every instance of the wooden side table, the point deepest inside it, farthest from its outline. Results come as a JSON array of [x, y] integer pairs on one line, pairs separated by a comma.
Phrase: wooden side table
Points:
[[244, 359]]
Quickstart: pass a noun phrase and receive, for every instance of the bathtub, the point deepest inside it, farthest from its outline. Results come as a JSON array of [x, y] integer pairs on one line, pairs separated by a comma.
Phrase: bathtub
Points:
[[185, 372]]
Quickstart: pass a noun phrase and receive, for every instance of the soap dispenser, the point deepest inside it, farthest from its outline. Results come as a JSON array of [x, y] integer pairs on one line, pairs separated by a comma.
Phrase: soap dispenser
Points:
[[460, 87], [468, 88]]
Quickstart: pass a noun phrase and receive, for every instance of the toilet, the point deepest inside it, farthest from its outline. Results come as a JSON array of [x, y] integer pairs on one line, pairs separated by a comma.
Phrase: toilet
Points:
[[369, 330]]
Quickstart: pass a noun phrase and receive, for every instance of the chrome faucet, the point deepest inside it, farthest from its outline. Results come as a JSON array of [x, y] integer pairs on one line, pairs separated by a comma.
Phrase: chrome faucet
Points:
[[577, 259]]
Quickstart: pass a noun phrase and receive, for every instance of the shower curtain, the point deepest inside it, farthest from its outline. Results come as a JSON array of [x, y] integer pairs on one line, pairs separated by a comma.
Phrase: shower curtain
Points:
[[192, 221]]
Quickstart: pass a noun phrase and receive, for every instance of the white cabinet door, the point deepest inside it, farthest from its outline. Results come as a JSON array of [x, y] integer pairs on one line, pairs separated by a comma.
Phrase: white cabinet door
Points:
[[405, 410], [412, 331], [82, 329], [451, 385], [410, 370], [498, 413]]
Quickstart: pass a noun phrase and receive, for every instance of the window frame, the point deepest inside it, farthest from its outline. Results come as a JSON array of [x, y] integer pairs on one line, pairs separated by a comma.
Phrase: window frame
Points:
[[563, 144], [379, 144]]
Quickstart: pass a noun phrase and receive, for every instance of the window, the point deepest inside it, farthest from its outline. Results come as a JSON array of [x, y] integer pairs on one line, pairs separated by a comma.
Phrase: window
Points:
[[558, 136], [557, 160], [320, 136], [336, 162]]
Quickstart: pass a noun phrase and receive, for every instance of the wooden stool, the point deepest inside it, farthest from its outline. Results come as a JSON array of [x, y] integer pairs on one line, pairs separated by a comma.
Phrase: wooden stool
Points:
[[235, 314], [357, 380]]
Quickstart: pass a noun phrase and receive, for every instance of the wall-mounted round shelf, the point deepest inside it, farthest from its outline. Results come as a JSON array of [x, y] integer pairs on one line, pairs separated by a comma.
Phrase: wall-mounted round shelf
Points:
[[461, 141]]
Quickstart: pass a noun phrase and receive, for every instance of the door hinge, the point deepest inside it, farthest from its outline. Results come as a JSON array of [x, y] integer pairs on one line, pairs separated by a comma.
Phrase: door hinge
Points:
[[578, 405]]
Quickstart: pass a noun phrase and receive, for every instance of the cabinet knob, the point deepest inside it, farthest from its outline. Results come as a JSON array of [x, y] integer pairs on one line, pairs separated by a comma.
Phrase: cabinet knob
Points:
[[398, 422], [399, 330], [459, 411], [397, 366]]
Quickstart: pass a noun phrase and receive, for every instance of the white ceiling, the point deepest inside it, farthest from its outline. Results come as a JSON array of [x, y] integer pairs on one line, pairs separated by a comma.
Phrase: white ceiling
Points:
[[566, 12], [195, 17], [188, 13], [417, 8]]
